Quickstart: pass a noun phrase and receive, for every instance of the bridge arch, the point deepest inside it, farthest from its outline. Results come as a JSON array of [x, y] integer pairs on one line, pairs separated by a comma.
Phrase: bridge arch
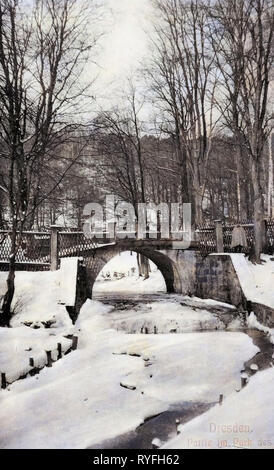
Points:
[[97, 261]]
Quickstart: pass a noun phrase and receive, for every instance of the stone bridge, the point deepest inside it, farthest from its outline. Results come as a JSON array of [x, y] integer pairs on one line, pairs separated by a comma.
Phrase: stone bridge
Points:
[[203, 269], [187, 272], [162, 255]]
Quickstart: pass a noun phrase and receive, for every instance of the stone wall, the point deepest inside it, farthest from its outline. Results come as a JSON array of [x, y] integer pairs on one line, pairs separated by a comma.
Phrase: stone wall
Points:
[[211, 276], [217, 279], [214, 277]]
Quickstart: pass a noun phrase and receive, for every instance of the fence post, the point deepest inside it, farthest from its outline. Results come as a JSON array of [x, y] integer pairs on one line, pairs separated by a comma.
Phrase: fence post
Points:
[[3, 380], [74, 343], [59, 349], [49, 359], [54, 248], [219, 236]]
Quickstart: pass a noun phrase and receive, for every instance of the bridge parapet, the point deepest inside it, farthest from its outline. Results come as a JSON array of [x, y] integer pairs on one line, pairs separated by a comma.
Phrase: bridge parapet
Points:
[[37, 248]]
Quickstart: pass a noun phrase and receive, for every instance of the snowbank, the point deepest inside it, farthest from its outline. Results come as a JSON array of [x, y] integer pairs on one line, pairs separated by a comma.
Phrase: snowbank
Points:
[[245, 420], [39, 302], [256, 280], [42, 296]]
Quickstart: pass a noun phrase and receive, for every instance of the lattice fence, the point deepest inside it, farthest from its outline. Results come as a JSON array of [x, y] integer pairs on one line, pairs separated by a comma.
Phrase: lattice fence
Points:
[[75, 244], [206, 236], [270, 235], [31, 247], [206, 239], [227, 234]]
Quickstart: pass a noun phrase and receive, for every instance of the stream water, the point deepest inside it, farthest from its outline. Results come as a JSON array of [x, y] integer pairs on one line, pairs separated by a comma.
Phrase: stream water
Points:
[[163, 426]]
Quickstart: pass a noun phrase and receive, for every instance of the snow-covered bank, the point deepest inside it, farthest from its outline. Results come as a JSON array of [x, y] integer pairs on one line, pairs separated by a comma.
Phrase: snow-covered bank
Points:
[[42, 296], [39, 301], [17, 345], [256, 280], [245, 420]]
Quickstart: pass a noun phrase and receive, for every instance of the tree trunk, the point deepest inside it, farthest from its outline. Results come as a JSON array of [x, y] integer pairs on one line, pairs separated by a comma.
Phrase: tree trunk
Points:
[[270, 181], [259, 227], [198, 211], [139, 264], [6, 307], [143, 266]]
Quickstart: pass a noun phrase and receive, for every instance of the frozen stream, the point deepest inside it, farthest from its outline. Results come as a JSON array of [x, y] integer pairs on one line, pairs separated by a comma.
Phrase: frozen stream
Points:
[[132, 314]]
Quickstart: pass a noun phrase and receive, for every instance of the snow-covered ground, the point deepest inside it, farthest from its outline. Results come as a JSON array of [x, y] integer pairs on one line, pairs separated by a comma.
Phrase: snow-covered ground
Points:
[[75, 403], [154, 284], [125, 265], [115, 380]]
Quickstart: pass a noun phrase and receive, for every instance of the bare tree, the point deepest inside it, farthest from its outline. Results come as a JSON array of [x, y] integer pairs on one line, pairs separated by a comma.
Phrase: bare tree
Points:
[[124, 162], [120, 144], [183, 83], [242, 33], [42, 55]]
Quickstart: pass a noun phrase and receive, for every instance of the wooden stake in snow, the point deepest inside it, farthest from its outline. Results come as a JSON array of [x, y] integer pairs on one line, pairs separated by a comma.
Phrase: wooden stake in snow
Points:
[[221, 397], [155, 330], [177, 423], [3, 380], [146, 331], [74, 343], [59, 349], [244, 379], [254, 368], [49, 359], [156, 443], [31, 362]]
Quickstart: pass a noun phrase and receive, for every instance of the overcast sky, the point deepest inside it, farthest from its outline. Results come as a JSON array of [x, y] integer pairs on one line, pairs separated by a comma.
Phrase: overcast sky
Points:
[[125, 44]]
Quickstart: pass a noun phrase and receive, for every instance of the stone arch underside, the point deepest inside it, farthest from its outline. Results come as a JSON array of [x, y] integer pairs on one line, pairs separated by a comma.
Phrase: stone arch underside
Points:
[[167, 267]]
